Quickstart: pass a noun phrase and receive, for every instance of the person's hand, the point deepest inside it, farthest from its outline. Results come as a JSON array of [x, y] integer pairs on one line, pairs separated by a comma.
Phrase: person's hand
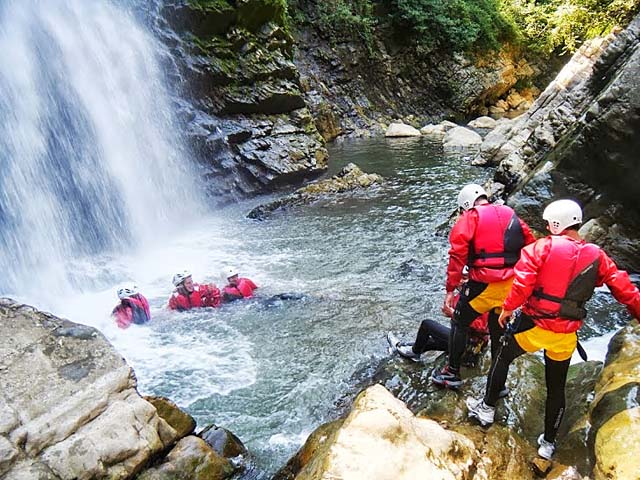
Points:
[[447, 308], [504, 317]]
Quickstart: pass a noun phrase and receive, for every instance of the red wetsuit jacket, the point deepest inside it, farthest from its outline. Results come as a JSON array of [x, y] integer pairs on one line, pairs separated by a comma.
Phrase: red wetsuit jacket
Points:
[[243, 289], [134, 309], [545, 282], [483, 238], [202, 296]]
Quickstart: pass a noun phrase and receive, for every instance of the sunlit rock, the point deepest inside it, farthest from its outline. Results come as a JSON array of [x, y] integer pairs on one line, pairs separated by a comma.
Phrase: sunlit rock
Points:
[[72, 409], [401, 130], [461, 138], [382, 439], [483, 122]]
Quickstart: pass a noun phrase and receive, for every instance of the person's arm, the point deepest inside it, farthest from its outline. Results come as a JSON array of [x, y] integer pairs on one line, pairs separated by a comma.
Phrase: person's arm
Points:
[[459, 240], [528, 236], [620, 285], [246, 287]]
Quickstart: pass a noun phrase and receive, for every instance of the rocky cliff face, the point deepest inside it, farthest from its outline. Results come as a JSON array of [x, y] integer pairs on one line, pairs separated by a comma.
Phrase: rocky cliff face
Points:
[[69, 409], [580, 139], [262, 96], [352, 90], [246, 116]]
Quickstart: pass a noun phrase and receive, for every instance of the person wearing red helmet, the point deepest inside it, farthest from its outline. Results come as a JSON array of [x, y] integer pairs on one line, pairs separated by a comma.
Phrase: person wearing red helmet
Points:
[[188, 295], [554, 278], [132, 309], [488, 238], [237, 287]]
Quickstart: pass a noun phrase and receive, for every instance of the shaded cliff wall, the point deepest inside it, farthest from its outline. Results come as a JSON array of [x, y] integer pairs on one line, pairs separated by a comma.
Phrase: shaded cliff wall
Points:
[[580, 139], [245, 113]]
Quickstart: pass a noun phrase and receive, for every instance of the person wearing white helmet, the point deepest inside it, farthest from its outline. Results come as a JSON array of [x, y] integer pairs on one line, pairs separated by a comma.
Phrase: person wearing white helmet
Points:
[[554, 278], [133, 307], [237, 287], [188, 295], [487, 238]]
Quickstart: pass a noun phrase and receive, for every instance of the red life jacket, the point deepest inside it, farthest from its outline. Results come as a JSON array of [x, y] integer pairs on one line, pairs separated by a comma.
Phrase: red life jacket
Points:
[[202, 296], [498, 238], [243, 289], [134, 309], [565, 281]]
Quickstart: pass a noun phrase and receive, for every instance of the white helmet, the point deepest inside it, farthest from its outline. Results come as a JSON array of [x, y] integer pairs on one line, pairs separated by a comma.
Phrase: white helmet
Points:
[[178, 278], [228, 272], [562, 214], [469, 194], [126, 291]]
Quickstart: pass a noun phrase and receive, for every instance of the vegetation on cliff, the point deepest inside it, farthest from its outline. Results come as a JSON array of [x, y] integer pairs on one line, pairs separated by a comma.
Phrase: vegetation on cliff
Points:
[[543, 26]]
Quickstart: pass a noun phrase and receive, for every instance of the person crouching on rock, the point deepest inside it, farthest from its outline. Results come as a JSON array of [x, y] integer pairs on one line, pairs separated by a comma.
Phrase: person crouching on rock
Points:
[[554, 279], [188, 295], [133, 307], [237, 287], [435, 336]]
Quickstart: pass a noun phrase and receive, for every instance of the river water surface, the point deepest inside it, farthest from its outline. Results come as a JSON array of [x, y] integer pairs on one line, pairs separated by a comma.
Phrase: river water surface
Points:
[[366, 263]]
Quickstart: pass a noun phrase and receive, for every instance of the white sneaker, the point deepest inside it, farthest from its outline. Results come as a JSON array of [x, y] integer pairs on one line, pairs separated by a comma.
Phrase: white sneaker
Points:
[[406, 350], [480, 411], [547, 449]]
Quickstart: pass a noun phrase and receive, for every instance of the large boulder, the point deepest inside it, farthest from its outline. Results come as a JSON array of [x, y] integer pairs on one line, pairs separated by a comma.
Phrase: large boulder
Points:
[[382, 439], [402, 130], [69, 405], [615, 409]]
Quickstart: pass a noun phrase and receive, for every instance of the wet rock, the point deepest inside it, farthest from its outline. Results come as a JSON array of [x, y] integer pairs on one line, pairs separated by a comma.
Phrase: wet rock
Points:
[[191, 459], [180, 421], [236, 58], [349, 179], [223, 442], [317, 444]]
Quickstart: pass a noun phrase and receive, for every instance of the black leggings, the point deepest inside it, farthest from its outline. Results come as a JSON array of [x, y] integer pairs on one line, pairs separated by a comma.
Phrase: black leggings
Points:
[[431, 336], [463, 316], [555, 373]]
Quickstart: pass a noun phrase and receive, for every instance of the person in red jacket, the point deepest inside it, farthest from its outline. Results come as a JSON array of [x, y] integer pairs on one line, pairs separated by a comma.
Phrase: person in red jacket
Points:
[[133, 307], [237, 287], [554, 278], [488, 238], [188, 295]]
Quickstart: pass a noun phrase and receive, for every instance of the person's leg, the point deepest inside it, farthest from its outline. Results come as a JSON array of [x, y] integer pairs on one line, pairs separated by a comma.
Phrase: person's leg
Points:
[[431, 336], [463, 315], [506, 353], [495, 332], [556, 379]]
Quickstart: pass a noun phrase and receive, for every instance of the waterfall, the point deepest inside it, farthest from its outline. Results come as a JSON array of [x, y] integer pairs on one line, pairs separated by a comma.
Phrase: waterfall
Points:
[[91, 162]]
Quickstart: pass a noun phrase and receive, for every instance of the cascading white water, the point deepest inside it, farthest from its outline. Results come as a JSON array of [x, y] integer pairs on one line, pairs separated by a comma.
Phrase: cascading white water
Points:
[[90, 160]]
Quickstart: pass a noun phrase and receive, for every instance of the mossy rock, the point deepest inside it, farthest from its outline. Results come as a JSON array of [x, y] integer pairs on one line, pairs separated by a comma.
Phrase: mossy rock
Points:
[[253, 14], [180, 421], [211, 17]]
